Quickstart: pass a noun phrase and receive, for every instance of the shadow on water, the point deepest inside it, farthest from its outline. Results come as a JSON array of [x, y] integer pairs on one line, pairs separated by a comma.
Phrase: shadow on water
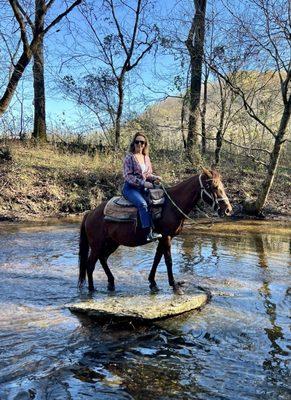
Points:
[[235, 347]]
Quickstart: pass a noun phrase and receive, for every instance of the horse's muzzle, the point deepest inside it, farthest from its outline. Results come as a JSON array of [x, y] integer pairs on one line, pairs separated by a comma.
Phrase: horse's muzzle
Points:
[[222, 212], [228, 211]]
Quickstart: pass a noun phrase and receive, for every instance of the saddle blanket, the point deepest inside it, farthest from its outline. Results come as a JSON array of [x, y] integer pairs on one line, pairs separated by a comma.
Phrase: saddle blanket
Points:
[[118, 209]]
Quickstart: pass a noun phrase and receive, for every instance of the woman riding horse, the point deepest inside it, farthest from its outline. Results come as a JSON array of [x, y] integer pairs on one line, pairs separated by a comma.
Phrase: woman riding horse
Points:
[[100, 238], [138, 176]]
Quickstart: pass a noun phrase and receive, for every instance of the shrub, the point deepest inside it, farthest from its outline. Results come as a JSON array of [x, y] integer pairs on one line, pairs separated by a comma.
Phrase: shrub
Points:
[[5, 154]]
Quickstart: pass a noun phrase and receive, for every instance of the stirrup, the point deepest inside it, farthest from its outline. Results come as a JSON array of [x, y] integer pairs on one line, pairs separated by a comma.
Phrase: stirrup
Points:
[[152, 236]]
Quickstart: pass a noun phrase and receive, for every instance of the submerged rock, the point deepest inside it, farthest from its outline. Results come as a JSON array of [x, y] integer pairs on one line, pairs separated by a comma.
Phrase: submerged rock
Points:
[[145, 307]]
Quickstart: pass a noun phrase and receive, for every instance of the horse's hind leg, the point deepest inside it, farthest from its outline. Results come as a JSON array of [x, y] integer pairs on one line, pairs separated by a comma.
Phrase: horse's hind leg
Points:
[[90, 269], [108, 249], [157, 259]]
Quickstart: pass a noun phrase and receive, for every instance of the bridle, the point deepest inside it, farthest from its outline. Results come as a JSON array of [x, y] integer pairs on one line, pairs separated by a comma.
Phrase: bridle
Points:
[[215, 200]]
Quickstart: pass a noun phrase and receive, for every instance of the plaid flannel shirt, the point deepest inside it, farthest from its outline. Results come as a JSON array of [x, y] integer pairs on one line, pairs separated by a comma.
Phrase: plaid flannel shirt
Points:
[[132, 171]]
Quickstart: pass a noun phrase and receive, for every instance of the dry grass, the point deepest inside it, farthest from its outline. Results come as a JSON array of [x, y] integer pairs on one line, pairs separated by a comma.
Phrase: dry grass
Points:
[[43, 181]]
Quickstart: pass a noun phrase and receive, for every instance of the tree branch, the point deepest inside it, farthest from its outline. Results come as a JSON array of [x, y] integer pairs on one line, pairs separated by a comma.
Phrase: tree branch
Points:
[[18, 16], [49, 4], [108, 57], [61, 16], [240, 92], [120, 34], [11, 55], [31, 24], [140, 57], [247, 148], [135, 28]]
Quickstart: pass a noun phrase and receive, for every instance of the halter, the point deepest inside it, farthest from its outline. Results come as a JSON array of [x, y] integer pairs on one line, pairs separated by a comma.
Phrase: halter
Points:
[[215, 200]]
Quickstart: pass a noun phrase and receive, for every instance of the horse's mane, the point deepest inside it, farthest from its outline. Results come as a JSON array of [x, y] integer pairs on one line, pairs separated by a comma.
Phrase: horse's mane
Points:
[[215, 176], [179, 185]]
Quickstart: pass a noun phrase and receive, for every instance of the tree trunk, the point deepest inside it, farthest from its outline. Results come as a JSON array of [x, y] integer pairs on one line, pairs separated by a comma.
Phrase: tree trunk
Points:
[[203, 113], [21, 132], [219, 134], [119, 112], [183, 115], [218, 146], [274, 159], [196, 49], [14, 79], [261, 200], [29, 49], [39, 131]]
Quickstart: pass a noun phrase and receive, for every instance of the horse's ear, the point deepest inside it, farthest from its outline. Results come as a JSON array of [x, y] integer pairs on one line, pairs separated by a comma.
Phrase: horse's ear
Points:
[[207, 172]]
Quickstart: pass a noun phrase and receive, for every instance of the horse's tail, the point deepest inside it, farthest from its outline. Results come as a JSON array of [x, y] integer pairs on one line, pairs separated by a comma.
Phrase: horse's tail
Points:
[[83, 253]]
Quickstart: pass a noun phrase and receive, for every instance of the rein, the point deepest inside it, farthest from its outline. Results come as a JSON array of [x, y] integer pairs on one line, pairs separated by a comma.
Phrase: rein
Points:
[[192, 220]]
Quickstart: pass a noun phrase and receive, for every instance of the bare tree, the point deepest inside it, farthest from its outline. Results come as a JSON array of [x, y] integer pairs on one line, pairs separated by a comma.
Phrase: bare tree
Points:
[[264, 45], [183, 118], [97, 94], [30, 41], [229, 107], [123, 49], [39, 129], [195, 46], [204, 109], [208, 54]]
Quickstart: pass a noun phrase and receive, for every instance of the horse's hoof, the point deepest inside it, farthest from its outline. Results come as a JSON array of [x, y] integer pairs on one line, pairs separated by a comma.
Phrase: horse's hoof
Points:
[[111, 287], [154, 289], [81, 284], [178, 290]]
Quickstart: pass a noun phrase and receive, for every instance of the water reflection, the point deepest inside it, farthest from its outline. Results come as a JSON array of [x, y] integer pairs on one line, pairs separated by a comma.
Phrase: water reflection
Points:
[[236, 347], [276, 361]]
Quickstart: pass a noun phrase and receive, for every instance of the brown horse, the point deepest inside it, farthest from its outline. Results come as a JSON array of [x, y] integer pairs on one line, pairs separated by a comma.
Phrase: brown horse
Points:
[[100, 238]]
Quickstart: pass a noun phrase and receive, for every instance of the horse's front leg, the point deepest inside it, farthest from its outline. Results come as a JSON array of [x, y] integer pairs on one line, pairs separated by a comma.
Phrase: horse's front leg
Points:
[[157, 259], [169, 263]]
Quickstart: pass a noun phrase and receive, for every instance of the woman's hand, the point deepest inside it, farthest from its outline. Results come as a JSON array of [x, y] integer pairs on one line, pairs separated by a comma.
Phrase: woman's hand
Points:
[[148, 185], [157, 179]]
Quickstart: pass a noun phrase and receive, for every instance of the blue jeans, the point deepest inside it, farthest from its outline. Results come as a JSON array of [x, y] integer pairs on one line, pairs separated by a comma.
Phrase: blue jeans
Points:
[[137, 197]]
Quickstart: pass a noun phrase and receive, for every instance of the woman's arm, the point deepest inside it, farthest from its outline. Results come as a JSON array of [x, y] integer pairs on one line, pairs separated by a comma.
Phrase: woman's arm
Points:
[[128, 172]]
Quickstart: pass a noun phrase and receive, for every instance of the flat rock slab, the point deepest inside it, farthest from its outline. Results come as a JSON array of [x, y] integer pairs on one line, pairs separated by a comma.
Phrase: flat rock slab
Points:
[[145, 307]]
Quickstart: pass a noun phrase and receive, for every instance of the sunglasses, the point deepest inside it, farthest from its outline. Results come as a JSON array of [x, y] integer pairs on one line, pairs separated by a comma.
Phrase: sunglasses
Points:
[[139, 142]]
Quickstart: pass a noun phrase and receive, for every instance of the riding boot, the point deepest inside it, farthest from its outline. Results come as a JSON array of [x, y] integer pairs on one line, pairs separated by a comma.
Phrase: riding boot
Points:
[[153, 236]]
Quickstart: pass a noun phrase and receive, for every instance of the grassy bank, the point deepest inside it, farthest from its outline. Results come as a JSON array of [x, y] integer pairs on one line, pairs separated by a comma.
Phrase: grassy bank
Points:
[[40, 182]]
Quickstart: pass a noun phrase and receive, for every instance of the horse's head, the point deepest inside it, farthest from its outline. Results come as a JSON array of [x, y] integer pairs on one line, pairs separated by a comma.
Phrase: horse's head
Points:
[[212, 192]]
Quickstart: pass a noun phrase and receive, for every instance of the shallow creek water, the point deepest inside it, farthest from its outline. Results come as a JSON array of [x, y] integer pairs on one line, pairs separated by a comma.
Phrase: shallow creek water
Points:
[[236, 347]]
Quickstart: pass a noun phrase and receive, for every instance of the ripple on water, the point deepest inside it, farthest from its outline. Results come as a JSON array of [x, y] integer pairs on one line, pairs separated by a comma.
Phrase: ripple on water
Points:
[[236, 347]]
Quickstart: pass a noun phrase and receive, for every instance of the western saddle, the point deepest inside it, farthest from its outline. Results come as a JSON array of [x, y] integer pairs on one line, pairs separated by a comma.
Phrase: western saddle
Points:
[[118, 209]]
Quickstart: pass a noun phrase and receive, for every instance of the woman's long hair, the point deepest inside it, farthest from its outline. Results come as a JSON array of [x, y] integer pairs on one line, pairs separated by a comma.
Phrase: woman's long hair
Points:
[[145, 150]]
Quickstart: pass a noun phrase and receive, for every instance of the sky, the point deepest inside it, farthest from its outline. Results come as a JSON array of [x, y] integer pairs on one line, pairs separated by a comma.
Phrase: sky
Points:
[[61, 47], [67, 49], [153, 82]]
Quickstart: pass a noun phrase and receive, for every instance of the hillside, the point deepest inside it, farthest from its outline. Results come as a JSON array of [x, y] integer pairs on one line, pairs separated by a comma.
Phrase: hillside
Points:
[[42, 182], [262, 92]]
